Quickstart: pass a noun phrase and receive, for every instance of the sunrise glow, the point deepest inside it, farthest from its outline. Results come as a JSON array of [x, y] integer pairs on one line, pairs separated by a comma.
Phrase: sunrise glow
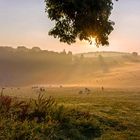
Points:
[[30, 27]]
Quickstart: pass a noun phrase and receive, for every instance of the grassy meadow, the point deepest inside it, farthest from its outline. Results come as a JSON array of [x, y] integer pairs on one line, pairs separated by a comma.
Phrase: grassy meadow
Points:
[[93, 95], [117, 111]]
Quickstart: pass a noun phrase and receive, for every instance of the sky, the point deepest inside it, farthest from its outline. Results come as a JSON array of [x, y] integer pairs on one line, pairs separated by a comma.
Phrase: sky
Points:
[[25, 23]]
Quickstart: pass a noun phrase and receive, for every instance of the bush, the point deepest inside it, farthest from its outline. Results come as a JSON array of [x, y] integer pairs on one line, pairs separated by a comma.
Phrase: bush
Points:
[[43, 119]]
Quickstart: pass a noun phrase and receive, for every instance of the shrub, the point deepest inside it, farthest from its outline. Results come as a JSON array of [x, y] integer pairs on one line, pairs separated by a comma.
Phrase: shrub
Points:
[[43, 119]]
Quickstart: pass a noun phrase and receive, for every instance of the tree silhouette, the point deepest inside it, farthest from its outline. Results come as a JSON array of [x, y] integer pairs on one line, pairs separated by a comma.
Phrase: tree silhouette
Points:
[[83, 19], [134, 53]]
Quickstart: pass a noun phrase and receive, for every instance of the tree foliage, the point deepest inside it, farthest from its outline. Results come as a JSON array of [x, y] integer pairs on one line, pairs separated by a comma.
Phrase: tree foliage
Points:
[[83, 19]]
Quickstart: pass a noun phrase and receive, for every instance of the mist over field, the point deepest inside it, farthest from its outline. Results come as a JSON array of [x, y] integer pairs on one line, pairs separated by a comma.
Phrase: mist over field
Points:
[[24, 67], [82, 82], [62, 95]]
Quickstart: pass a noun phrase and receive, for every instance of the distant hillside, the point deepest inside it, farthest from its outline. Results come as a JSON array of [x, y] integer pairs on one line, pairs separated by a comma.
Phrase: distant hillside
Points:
[[105, 54], [23, 66]]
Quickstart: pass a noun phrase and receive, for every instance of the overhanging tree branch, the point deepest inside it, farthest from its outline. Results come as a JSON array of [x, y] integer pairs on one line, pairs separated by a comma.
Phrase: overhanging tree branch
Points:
[[83, 19]]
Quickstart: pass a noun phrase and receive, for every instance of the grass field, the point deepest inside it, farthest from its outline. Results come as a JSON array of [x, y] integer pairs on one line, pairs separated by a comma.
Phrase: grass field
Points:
[[116, 110]]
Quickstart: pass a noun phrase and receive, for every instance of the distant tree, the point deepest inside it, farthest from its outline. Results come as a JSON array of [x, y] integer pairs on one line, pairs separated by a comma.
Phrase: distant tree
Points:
[[63, 52], [134, 53], [80, 92], [69, 53], [36, 49], [83, 19], [6, 48], [22, 48], [70, 56]]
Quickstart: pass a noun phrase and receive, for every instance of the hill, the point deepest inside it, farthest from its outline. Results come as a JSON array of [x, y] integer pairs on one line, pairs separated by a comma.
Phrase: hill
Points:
[[23, 66]]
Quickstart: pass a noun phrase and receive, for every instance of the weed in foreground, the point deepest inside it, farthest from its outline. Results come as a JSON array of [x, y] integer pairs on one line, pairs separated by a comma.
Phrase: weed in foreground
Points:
[[43, 119]]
